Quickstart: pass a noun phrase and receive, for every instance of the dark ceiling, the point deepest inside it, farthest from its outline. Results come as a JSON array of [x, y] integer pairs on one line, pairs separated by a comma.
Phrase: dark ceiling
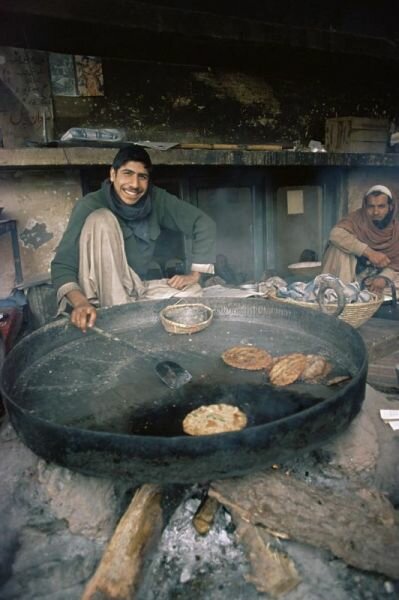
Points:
[[207, 32]]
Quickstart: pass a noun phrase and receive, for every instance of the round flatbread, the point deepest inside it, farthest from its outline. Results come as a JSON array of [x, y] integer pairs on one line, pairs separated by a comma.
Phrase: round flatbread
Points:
[[214, 418], [250, 358], [316, 368], [287, 369]]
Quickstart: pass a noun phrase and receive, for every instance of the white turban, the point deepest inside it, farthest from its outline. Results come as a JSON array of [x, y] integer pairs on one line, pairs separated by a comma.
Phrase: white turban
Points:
[[380, 188]]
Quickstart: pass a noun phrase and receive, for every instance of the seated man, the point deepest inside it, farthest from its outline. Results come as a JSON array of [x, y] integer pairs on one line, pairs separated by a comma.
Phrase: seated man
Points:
[[104, 254], [366, 237]]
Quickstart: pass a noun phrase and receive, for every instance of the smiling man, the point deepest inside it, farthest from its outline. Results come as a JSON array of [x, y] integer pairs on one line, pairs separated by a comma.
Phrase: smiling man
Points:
[[367, 237], [106, 250]]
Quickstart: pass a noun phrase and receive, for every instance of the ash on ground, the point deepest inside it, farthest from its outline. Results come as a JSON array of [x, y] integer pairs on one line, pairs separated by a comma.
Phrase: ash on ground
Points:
[[187, 565]]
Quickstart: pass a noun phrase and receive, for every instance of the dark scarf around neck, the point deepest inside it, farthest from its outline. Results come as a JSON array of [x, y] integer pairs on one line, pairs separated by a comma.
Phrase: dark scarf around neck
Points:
[[134, 215]]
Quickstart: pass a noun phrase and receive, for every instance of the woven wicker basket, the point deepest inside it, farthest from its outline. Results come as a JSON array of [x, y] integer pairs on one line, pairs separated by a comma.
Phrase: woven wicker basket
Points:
[[186, 318], [356, 313]]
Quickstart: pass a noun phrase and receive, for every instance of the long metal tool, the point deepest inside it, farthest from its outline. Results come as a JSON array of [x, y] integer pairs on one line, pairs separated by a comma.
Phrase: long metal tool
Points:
[[171, 373]]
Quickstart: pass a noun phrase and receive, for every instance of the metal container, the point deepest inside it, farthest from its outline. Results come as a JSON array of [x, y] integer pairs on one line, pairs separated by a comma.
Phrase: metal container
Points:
[[307, 269], [85, 403]]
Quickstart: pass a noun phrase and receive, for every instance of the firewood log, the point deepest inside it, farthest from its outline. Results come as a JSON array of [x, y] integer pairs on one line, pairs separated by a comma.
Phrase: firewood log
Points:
[[118, 574], [358, 525]]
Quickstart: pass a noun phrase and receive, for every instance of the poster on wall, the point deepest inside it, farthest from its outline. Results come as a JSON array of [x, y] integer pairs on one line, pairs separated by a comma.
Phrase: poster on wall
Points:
[[26, 112], [78, 75], [89, 75], [62, 72]]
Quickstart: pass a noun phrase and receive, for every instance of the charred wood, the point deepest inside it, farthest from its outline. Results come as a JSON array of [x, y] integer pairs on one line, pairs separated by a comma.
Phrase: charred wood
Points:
[[359, 525]]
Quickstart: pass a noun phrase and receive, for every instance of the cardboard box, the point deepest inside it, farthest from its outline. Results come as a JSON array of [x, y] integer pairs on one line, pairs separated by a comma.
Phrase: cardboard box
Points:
[[357, 134]]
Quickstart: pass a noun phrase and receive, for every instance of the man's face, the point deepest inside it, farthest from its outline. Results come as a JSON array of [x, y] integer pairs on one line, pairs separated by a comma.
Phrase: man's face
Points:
[[130, 181], [378, 207]]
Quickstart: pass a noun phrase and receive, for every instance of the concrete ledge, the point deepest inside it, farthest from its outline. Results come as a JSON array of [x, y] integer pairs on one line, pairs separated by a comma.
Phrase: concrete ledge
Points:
[[90, 156]]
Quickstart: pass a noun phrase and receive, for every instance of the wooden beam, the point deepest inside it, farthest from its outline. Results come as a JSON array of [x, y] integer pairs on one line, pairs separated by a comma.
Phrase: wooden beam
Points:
[[189, 23]]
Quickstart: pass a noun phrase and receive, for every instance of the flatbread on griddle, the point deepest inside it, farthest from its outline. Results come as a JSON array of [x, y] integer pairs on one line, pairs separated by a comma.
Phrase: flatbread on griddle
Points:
[[316, 368], [277, 359], [214, 418], [287, 369], [250, 358]]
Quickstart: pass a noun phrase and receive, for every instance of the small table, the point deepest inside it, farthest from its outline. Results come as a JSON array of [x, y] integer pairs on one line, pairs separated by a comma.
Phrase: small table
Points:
[[10, 226]]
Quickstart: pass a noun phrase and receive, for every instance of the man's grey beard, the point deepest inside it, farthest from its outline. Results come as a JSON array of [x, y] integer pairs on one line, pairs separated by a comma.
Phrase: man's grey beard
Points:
[[385, 221]]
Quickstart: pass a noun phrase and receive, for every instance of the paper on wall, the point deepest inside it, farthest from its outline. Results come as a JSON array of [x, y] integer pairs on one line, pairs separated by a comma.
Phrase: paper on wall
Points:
[[295, 202]]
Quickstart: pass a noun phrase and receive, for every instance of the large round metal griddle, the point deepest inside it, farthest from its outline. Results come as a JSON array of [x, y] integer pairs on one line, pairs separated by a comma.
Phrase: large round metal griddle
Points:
[[98, 407]]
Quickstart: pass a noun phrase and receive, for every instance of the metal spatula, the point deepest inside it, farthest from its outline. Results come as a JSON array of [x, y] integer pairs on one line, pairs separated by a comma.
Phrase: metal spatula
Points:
[[171, 373]]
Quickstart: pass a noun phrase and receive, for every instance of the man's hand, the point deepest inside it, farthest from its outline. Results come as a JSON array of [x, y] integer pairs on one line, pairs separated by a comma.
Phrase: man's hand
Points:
[[181, 281], [378, 259], [83, 314], [376, 285]]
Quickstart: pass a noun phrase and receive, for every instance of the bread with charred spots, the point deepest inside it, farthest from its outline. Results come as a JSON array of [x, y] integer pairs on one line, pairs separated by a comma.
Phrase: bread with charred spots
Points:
[[250, 358], [214, 418], [287, 369]]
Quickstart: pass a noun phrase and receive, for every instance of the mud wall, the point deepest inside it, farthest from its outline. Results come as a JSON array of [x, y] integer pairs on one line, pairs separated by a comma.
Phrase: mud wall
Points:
[[277, 98], [41, 202]]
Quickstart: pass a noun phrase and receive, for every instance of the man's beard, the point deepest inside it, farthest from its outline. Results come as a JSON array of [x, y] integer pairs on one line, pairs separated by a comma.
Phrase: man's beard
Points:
[[385, 221]]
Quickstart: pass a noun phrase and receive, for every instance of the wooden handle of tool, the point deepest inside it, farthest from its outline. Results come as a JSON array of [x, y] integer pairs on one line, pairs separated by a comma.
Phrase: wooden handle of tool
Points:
[[117, 575], [254, 147], [209, 146], [266, 147]]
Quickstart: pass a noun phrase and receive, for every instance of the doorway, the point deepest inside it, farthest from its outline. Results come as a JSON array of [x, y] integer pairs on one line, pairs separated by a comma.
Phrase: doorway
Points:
[[303, 205], [235, 204], [298, 224]]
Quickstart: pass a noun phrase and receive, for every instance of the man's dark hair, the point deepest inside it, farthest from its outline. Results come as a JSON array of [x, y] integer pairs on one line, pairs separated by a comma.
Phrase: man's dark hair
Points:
[[132, 152]]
